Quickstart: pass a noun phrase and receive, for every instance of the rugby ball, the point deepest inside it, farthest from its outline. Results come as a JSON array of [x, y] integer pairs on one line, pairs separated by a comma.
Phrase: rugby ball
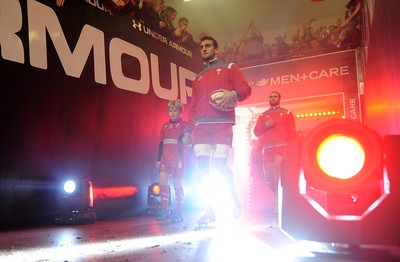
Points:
[[213, 100]]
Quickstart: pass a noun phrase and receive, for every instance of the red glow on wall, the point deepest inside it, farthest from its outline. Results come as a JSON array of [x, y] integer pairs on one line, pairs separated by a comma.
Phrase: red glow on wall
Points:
[[114, 192]]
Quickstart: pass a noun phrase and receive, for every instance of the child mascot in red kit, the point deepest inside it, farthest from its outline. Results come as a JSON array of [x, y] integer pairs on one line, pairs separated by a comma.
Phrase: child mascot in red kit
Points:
[[171, 161]]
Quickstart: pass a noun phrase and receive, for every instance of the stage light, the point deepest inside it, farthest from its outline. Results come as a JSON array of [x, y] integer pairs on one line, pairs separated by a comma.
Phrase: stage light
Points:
[[69, 187], [153, 195], [154, 199], [342, 156], [76, 195], [340, 184], [156, 190], [75, 202]]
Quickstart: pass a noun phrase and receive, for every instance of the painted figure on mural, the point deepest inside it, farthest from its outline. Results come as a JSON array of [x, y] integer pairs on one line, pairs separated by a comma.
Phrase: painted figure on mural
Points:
[[274, 128], [171, 162], [211, 117]]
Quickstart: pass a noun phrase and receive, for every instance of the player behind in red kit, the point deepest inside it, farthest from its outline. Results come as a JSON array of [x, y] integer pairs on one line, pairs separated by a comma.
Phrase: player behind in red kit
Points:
[[274, 129]]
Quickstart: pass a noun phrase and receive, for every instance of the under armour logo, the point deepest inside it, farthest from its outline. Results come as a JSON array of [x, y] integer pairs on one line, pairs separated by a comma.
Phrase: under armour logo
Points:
[[219, 71], [136, 25]]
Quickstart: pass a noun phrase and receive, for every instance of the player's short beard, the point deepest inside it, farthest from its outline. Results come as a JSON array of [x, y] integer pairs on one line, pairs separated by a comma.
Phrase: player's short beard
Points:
[[274, 103]]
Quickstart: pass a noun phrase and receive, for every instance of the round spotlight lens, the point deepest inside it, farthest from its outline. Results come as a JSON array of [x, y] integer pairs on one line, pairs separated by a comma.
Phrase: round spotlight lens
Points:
[[69, 186], [340, 156], [156, 189]]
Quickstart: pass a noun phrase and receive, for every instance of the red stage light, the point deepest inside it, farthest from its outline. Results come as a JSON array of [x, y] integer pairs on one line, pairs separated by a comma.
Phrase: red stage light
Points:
[[340, 185], [340, 149], [342, 156]]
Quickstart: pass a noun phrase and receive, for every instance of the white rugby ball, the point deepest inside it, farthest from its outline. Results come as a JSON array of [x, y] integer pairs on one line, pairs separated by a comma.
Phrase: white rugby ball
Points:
[[214, 98]]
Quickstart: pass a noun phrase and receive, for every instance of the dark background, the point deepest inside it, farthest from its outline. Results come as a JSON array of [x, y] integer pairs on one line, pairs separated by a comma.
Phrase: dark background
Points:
[[54, 126]]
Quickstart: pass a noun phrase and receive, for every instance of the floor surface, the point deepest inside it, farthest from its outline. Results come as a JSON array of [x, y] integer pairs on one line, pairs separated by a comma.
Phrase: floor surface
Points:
[[253, 237]]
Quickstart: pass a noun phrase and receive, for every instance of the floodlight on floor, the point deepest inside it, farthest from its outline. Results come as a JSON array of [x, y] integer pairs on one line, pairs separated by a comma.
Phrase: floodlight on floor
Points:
[[154, 198], [75, 202]]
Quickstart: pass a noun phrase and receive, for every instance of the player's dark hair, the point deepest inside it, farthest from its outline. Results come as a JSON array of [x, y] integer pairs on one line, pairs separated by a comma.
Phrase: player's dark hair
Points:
[[215, 43]]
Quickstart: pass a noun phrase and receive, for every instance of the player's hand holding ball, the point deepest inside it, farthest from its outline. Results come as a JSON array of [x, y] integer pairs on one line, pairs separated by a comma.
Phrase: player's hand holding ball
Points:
[[222, 99]]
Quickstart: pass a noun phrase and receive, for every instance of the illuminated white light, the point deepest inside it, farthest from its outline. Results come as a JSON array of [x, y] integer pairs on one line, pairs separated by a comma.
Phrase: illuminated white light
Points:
[[75, 252], [340, 156], [69, 186], [214, 192], [229, 243], [303, 249], [233, 245]]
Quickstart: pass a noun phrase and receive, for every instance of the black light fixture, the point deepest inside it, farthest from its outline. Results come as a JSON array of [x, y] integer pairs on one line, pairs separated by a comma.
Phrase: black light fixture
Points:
[[154, 199], [340, 185], [75, 202]]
